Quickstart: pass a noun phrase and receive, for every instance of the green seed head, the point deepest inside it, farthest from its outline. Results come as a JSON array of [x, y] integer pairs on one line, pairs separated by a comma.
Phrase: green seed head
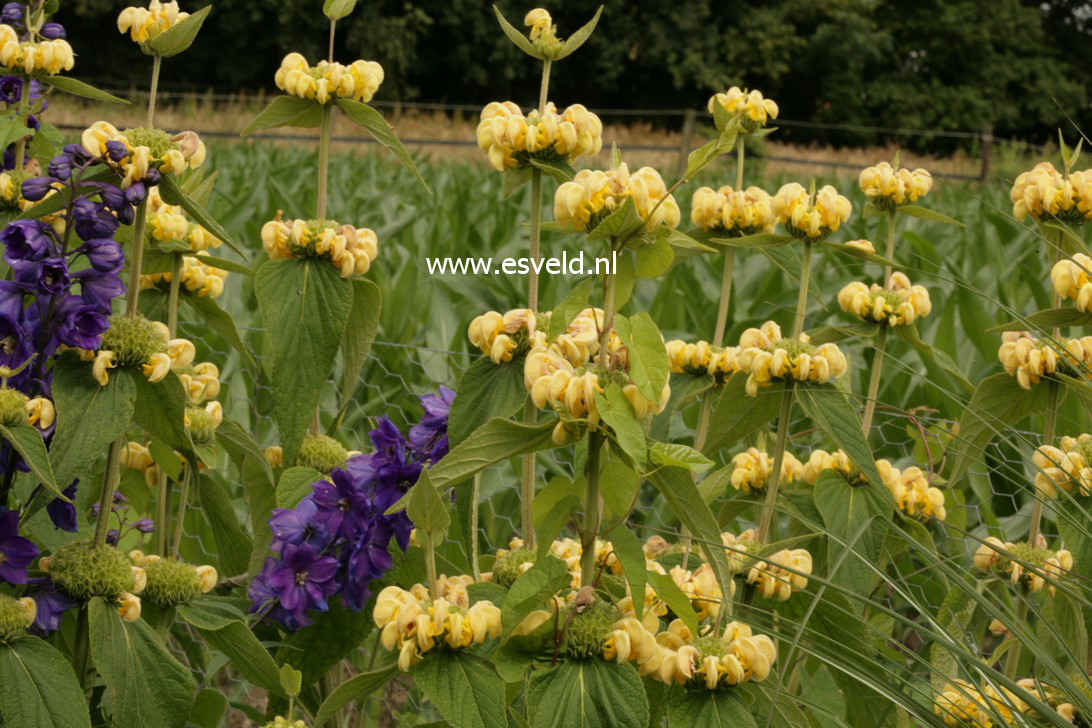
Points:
[[157, 140], [321, 453], [170, 582], [14, 619], [13, 407], [133, 339], [84, 572], [588, 630], [201, 425], [710, 646], [507, 568]]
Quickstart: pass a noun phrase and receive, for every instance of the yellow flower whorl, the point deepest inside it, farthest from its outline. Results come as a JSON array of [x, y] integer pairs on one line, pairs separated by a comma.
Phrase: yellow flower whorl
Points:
[[350, 249], [326, 81], [754, 110], [579, 203], [765, 356], [889, 187], [745, 212], [1044, 192], [807, 217], [899, 304], [509, 138]]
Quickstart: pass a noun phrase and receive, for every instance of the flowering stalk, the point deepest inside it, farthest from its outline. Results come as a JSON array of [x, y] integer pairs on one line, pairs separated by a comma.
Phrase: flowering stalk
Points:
[[157, 60], [110, 480], [527, 469], [766, 519], [430, 563], [163, 486], [881, 336], [180, 517], [475, 496], [590, 528]]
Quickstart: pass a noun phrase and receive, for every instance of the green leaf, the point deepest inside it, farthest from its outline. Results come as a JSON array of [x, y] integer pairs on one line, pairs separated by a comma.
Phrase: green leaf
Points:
[[937, 356], [648, 365], [233, 546], [291, 681], [617, 412], [1046, 320], [513, 179], [687, 243], [39, 688], [1069, 241], [146, 684], [618, 482], [671, 595], [522, 42], [493, 442], [552, 509], [338, 9], [587, 694], [464, 687], [12, 127], [654, 260], [352, 690], [161, 409], [178, 37], [222, 263], [209, 709], [701, 157], [997, 404], [621, 224], [305, 306], [359, 334], [736, 414], [840, 332], [226, 632], [845, 509], [564, 313], [953, 619], [830, 409], [578, 38], [486, 390], [222, 323], [89, 417], [714, 485], [334, 635], [556, 169], [286, 111], [758, 240], [682, 456], [855, 252], [631, 555], [373, 122], [787, 259], [173, 194], [426, 508], [27, 441], [700, 708], [79, 88], [295, 484], [532, 590], [678, 488], [924, 213]]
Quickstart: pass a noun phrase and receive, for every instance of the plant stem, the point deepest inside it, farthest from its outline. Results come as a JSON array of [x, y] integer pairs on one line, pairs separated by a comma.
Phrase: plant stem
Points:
[[475, 496], [888, 269], [81, 646], [536, 236], [874, 381], [802, 298], [135, 258], [323, 160], [110, 480], [183, 497], [725, 295], [163, 515], [430, 565], [545, 86], [1049, 425], [172, 301], [590, 528], [157, 60], [330, 53], [739, 163], [765, 524], [527, 484]]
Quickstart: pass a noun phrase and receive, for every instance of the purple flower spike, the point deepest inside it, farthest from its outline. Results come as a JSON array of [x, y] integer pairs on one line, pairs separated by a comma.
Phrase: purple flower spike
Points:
[[16, 552]]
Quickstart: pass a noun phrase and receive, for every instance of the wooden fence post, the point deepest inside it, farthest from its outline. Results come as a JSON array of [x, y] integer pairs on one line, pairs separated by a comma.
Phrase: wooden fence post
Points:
[[987, 152]]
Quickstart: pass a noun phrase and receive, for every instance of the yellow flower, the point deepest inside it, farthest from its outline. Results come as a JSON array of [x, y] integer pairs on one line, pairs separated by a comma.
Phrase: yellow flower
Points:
[[912, 492], [510, 139], [729, 212], [104, 362], [129, 607], [754, 110], [765, 356], [711, 661], [538, 20], [773, 578], [144, 23], [1026, 358], [899, 304], [962, 705], [503, 336], [350, 249], [810, 217], [1068, 468], [1044, 193], [701, 358], [157, 368], [580, 203], [41, 413], [889, 187], [821, 460], [196, 278], [752, 468], [171, 154], [1072, 278], [326, 81], [34, 57], [701, 587]]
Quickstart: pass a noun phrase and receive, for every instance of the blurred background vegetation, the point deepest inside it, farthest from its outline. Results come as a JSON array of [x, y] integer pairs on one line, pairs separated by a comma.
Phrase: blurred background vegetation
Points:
[[1016, 66]]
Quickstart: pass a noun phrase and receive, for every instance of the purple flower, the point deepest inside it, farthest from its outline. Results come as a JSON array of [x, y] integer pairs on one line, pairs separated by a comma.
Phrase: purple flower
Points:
[[116, 151], [93, 220], [297, 525], [60, 167], [26, 240], [104, 254], [145, 525], [35, 188], [52, 277], [12, 13], [11, 89], [99, 289], [81, 325], [341, 505], [303, 579], [368, 559], [63, 514], [52, 31], [14, 342], [16, 552], [52, 604]]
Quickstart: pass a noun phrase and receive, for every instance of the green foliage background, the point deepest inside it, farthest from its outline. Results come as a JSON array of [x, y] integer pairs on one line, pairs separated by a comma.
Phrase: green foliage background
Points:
[[935, 64]]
